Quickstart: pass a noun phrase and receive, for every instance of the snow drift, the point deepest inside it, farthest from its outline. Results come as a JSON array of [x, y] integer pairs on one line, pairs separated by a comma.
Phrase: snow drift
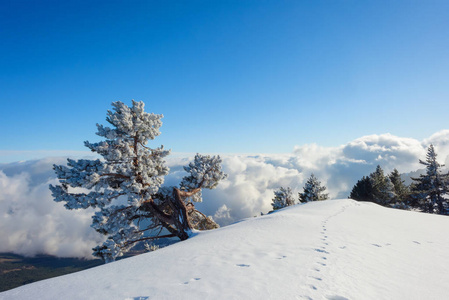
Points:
[[335, 249]]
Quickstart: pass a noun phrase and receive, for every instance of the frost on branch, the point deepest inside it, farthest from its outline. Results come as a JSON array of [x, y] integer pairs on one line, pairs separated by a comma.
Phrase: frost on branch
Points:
[[313, 191], [283, 198], [431, 189], [132, 173]]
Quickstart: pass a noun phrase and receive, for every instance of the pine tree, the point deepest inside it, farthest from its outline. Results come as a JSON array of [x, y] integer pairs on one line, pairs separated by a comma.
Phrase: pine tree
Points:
[[362, 190], [313, 191], [401, 190], [283, 198], [126, 184], [376, 188], [431, 188], [383, 189]]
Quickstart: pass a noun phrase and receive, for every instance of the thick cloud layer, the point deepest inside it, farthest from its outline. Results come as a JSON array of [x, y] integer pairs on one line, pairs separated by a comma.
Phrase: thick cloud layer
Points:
[[32, 223]]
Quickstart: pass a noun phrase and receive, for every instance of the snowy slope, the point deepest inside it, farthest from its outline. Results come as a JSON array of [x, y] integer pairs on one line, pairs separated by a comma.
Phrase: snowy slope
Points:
[[337, 249]]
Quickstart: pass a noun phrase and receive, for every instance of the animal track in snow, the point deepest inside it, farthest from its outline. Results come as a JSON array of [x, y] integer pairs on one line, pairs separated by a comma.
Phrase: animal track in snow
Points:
[[316, 278], [193, 279]]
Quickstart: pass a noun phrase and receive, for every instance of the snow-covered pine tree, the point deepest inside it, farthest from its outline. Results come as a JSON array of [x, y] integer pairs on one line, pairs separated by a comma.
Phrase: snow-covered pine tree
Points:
[[383, 189], [313, 191], [125, 185], [282, 198], [431, 188]]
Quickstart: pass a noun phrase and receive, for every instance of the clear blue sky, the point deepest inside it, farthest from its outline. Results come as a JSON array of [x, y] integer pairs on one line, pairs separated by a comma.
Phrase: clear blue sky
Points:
[[229, 76]]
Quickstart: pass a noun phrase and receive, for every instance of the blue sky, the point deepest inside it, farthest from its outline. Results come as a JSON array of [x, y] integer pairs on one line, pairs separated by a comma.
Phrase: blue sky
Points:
[[229, 76]]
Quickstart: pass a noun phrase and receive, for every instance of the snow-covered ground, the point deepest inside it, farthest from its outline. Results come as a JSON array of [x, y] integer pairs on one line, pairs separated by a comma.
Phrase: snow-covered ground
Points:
[[336, 249]]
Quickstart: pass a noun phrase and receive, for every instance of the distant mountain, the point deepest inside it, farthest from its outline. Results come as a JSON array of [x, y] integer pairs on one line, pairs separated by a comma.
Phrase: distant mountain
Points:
[[335, 249]]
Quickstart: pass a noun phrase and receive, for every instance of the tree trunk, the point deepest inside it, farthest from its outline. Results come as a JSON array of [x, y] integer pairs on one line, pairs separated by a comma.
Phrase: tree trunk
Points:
[[180, 217]]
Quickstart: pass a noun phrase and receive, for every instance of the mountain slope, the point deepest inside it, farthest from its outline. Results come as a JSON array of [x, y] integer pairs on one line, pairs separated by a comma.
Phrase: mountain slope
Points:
[[337, 249]]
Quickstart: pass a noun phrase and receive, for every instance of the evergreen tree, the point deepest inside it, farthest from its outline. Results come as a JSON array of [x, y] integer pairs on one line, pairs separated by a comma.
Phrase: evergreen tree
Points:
[[313, 191], [282, 198], [383, 189], [401, 190], [126, 184], [362, 190], [431, 188], [376, 188]]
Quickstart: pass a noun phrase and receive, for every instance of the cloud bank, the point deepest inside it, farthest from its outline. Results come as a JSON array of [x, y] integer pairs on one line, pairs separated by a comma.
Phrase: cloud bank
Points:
[[32, 223]]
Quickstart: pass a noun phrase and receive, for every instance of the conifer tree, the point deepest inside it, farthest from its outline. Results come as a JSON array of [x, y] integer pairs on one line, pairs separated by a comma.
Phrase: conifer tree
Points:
[[125, 186], [401, 190], [313, 191], [431, 188], [362, 190], [283, 198], [383, 189], [376, 188]]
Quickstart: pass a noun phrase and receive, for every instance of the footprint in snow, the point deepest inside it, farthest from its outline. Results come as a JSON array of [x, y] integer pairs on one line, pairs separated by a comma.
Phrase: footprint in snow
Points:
[[342, 247], [313, 287], [187, 282], [379, 246], [242, 265], [417, 242], [321, 251], [316, 278]]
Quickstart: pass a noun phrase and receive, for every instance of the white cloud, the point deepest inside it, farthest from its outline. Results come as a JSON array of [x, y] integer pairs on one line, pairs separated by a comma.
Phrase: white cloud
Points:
[[37, 224], [32, 223]]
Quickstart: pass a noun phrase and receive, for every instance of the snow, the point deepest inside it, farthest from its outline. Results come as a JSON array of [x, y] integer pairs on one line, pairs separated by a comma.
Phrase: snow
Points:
[[334, 249]]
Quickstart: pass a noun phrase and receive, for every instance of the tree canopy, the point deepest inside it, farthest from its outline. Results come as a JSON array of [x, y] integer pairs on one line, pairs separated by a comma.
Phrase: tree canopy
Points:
[[431, 188], [283, 198], [125, 186], [313, 191]]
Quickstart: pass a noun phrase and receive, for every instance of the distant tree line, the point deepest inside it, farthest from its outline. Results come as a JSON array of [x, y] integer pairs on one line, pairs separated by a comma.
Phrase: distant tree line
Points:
[[312, 191], [428, 193]]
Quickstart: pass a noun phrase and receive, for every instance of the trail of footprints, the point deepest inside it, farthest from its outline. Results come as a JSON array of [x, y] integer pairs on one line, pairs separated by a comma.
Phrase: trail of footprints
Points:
[[322, 257]]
